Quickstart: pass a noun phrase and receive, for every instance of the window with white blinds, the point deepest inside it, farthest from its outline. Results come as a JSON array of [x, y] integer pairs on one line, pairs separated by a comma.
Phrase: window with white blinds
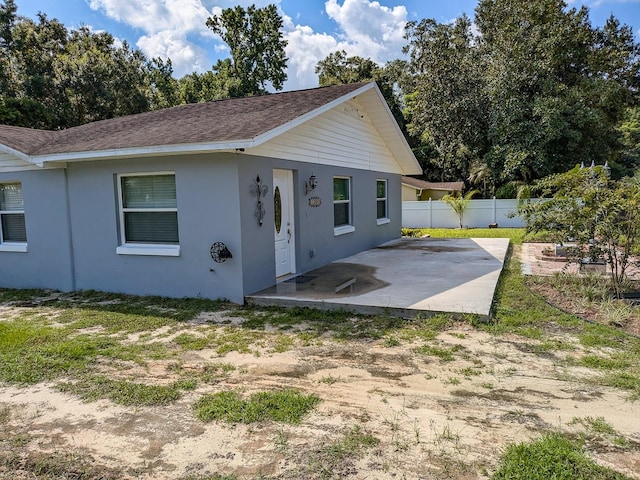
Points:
[[148, 209], [13, 228]]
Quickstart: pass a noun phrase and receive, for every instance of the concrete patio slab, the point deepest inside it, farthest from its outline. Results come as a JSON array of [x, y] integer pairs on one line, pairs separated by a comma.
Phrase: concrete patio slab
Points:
[[405, 277]]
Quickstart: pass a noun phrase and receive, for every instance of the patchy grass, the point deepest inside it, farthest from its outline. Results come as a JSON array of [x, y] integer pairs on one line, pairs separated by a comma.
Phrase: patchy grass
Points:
[[443, 353], [552, 456], [335, 459], [124, 392], [32, 352], [516, 235], [53, 466], [286, 406]]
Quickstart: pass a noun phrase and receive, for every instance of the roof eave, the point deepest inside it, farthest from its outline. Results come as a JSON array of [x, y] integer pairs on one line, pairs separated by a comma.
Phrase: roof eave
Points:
[[16, 153], [179, 149]]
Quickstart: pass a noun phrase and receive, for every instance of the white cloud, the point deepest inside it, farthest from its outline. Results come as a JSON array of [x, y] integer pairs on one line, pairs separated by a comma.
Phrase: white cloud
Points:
[[374, 29], [172, 28], [177, 29], [304, 50], [366, 29], [186, 57]]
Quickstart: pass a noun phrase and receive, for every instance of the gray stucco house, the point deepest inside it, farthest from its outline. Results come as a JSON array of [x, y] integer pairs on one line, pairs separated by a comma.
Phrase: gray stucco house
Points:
[[218, 200]]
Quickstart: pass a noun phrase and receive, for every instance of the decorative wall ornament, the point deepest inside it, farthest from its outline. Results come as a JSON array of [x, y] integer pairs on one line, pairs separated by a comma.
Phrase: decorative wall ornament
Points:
[[220, 253], [259, 191]]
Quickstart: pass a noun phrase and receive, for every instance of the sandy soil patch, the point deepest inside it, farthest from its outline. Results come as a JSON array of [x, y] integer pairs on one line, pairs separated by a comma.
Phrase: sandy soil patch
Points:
[[433, 419]]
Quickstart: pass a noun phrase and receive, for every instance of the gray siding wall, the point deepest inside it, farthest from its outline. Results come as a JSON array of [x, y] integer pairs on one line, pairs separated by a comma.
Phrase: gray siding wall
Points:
[[47, 262], [207, 198], [215, 204], [313, 225]]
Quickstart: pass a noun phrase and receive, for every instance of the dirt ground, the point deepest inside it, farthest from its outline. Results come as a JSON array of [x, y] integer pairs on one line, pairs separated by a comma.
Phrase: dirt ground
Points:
[[433, 419]]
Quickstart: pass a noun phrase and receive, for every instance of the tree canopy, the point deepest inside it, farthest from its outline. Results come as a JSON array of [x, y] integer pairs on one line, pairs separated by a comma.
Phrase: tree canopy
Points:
[[53, 77], [257, 49], [536, 90]]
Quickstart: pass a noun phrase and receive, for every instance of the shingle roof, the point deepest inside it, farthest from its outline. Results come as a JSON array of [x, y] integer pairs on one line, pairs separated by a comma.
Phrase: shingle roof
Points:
[[218, 121], [414, 182]]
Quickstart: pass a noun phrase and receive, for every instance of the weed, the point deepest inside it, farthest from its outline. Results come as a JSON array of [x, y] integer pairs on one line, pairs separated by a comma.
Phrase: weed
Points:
[[552, 456], [602, 363], [287, 406], [329, 380], [332, 460], [444, 354], [123, 392], [391, 341], [283, 343], [189, 341], [623, 380], [594, 425], [281, 440], [469, 372], [5, 414]]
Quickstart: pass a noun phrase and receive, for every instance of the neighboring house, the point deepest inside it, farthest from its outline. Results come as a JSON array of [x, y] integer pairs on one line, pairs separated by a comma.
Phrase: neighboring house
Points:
[[417, 190], [276, 185]]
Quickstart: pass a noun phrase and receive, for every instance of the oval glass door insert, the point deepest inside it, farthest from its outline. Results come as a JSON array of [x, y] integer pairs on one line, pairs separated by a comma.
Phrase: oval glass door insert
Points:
[[277, 209]]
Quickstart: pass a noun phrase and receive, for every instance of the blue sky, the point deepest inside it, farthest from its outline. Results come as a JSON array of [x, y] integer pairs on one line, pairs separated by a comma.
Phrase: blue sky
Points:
[[313, 28]]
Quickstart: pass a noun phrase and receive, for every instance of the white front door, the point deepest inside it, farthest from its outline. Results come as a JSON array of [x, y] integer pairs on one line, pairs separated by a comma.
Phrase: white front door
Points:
[[284, 228]]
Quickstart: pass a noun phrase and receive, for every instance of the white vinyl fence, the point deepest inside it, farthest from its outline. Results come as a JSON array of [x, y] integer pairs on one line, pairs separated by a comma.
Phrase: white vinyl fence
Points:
[[478, 214]]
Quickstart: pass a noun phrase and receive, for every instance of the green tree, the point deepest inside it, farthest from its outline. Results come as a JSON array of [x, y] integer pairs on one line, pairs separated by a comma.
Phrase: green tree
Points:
[[97, 80], [447, 108], [459, 203], [257, 48], [337, 69], [630, 132], [52, 77], [163, 89], [557, 87], [602, 216]]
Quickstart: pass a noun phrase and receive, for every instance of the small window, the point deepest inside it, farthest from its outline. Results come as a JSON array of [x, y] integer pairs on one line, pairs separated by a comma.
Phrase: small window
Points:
[[342, 222], [148, 214], [13, 232], [382, 208]]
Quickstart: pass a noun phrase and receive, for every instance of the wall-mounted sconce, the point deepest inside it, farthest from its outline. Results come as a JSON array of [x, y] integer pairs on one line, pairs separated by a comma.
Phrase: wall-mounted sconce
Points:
[[220, 253], [311, 185]]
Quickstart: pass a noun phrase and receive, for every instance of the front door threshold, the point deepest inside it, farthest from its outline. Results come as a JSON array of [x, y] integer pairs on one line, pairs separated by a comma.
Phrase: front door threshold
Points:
[[284, 278]]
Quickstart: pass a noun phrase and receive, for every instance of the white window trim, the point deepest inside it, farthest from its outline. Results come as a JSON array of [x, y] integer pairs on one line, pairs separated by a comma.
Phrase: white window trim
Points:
[[13, 247], [384, 220], [18, 247], [342, 229], [348, 228], [149, 249]]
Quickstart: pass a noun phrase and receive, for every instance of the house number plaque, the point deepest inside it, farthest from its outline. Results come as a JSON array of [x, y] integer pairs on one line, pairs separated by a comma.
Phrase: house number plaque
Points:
[[315, 201]]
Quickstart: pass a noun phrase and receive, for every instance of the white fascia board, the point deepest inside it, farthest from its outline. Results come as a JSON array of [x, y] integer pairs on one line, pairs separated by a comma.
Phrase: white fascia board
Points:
[[271, 134], [141, 152], [16, 153]]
